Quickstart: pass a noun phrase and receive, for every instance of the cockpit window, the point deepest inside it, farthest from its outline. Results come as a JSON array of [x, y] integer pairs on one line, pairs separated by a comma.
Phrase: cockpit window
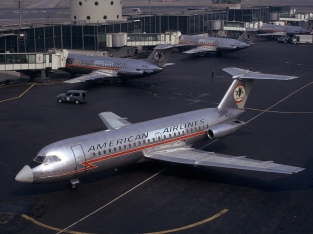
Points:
[[47, 159]]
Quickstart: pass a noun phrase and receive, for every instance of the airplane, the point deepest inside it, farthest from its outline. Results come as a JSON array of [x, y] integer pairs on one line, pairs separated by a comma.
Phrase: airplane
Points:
[[271, 29], [96, 67], [219, 45], [167, 139]]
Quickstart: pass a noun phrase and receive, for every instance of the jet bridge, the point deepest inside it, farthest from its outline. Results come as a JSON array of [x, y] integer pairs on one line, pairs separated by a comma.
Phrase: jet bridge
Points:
[[33, 64], [115, 40]]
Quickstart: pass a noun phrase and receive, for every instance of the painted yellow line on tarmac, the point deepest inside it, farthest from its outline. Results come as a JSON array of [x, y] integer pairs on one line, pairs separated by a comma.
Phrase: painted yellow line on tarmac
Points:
[[192, 225], [49, 227], [18, 96]]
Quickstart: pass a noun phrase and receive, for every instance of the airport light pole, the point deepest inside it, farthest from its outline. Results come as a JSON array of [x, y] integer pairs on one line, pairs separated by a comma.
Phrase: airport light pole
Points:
[[19, 4], [149, 7]]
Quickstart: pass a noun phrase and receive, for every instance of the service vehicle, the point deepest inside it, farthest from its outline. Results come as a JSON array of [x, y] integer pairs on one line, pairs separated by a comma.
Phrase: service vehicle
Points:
[[283, 39], [76, 96], [302, 39]]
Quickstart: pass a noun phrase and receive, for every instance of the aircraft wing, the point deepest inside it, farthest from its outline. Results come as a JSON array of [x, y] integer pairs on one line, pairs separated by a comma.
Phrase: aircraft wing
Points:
[[246, 74], [93, 76], [272, 34], [187, 155], [200, 49], [113, 121]]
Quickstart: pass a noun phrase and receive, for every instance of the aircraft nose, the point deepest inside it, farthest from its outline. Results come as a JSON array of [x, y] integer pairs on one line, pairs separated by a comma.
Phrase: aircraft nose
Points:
[[25, 175]]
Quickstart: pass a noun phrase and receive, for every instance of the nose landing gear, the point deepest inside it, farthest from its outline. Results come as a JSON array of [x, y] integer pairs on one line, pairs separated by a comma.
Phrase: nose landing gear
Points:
[[74, 183]]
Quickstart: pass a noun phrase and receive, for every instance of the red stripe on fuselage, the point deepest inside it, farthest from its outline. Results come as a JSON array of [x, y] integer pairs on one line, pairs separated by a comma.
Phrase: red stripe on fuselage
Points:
[[89, 163]]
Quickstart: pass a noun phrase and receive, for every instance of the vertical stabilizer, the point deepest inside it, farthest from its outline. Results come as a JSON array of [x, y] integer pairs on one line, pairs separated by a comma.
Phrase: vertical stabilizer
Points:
[[160, 55], [248, 36], [237, 94], [308, 25]]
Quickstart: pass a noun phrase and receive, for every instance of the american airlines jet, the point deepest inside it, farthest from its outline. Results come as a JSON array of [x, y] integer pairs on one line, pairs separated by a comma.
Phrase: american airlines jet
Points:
[[167, 139], [279, 30], [96, 67], [218, 45]]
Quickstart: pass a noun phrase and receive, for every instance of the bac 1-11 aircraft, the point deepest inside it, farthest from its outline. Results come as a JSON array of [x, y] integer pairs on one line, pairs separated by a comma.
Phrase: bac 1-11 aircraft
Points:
[[218, 45], [279, 30], [96, 67], [168, 139]]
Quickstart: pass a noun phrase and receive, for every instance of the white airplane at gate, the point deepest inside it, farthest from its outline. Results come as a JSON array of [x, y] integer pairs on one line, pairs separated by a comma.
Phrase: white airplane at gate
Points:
[[167, 139]]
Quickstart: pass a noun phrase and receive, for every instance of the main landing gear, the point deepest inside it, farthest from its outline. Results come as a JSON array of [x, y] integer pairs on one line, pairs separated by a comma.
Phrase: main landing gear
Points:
[[74, 183]]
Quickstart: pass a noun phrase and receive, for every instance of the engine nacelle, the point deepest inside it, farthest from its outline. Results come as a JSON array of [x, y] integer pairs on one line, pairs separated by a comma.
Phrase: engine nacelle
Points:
[[225, 129]]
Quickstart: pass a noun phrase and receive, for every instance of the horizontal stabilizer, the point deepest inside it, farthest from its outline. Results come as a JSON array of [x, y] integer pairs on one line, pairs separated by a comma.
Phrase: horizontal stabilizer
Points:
[[238, 73], [113, 121], [186, 155]]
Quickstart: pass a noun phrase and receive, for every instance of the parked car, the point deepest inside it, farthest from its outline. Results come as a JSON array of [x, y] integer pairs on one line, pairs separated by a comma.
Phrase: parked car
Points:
[[76, 96], [283, 39]]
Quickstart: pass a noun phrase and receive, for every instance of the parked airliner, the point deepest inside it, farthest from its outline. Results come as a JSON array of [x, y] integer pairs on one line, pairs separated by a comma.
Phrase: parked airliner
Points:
[[96, 67], [272, 29], [219, 45], [167, 139]]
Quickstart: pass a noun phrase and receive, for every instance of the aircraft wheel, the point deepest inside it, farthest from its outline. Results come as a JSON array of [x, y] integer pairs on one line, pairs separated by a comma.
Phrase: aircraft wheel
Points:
[[73, 186], [59, 100], [285, 41], [76, 101]]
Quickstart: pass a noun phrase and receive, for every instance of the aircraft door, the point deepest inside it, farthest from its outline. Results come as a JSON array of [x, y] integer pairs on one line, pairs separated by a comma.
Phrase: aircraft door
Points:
[[79, 158], [158, 137]]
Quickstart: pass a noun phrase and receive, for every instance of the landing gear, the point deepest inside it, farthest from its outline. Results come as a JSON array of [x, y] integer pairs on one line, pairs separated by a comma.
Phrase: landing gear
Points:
[[74, 183]]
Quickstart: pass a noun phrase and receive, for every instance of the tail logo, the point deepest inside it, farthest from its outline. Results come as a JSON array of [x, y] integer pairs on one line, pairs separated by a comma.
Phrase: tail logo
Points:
[[248, 36], [159, 56], [239, 93]]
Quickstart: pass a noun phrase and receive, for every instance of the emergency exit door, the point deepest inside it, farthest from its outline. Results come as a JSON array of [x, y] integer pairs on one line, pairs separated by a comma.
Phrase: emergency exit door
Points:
[[79, 158]]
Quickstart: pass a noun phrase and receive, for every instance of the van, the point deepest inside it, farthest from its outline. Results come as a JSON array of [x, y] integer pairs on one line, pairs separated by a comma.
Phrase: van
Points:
[[75, 96]]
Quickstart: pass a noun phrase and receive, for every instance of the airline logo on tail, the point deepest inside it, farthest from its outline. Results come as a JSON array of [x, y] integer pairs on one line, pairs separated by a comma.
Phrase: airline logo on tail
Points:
[[239, 93], [159, 56]]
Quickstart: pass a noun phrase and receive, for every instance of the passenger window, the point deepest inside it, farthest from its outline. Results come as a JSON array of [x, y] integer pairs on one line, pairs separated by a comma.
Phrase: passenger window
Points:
[[144, 141], [130, 145], [99, 153], [120, 148], [170, 135], [148, 140], [104, 151], [124, 146], [114, 149], [134, 144], [94, 154], [174, 134], [139, 143], [109, 150]]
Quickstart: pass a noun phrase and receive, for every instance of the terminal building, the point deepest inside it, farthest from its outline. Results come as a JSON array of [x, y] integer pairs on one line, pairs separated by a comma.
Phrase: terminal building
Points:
[[93, 24]]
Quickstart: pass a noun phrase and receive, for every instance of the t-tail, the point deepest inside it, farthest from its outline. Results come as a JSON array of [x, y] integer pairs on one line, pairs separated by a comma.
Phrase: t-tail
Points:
[[248, 36], [160, 55], [308, 25], [238, 92]]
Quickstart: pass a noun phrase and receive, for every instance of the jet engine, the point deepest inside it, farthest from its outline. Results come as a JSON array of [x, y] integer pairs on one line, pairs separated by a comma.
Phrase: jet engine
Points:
[[225, 129]]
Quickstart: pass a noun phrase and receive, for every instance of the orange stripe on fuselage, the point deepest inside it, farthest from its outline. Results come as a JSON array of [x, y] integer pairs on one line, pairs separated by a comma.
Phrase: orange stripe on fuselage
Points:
[[89, 163], [91, 67]]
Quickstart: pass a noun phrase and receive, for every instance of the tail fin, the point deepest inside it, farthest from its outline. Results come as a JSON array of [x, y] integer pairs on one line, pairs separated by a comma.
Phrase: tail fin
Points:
[[308, 25], [248, 36], [238, 92], [160, 55]]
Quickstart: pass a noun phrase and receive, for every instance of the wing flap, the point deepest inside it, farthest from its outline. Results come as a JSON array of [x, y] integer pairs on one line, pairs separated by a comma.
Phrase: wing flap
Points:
[[93, 76], [113, 121], [196, 157]]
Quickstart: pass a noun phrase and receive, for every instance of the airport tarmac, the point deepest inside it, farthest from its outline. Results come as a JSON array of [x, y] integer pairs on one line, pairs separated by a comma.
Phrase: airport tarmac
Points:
[[159, 197]]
